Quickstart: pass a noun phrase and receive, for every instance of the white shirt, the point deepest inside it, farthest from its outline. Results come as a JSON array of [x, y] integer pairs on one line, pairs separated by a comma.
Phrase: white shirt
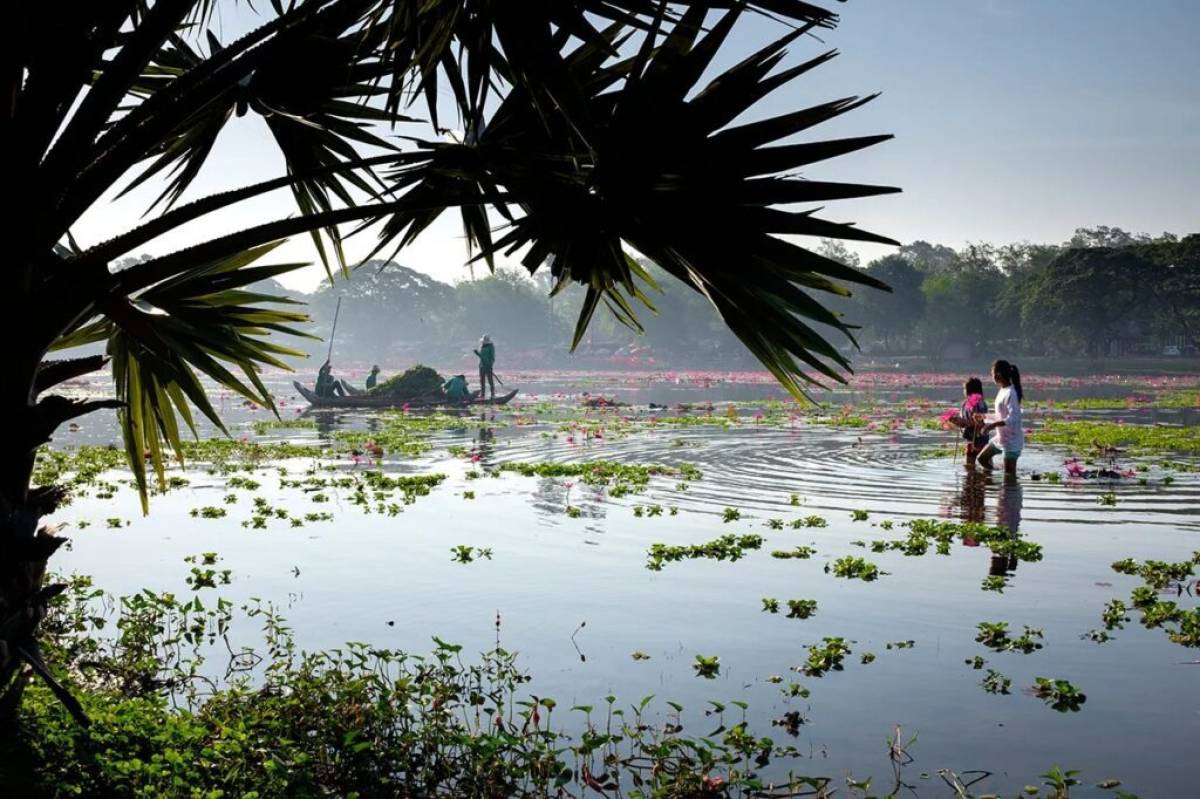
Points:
[[1010, 437]]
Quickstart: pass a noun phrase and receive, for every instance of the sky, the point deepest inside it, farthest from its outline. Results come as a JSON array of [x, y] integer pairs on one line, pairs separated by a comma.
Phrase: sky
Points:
[[1015, 120]]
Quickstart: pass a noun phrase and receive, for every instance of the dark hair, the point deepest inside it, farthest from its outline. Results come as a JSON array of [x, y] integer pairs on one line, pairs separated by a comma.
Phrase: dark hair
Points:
[[973, 386], [1010, 372]]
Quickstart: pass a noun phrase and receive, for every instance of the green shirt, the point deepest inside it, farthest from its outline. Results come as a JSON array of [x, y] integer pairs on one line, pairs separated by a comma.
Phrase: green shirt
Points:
[[456, 389], [487, 355], [371, 379]]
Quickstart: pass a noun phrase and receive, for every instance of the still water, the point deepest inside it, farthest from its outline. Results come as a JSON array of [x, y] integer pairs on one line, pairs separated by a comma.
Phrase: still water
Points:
[[575, 598]]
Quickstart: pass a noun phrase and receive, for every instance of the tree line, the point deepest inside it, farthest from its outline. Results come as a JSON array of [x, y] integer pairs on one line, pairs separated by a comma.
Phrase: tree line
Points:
[[1105, 292]]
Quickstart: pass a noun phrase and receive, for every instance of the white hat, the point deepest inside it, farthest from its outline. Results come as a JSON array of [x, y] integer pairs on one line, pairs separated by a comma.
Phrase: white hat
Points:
[[487, 339]]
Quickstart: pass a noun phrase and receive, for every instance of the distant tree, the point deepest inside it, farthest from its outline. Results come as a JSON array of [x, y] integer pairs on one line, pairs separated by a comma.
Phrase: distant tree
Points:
[[385, 305], [1023, 257], [961, 304], [1105, 236], [1176, 287], [1086, 297], [928, 257], [896, 314], [509, 301], [838, 251]]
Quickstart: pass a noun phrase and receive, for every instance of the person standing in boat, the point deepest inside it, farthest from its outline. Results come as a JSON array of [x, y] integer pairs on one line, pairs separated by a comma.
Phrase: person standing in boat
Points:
[[487, 360], [373, 377]]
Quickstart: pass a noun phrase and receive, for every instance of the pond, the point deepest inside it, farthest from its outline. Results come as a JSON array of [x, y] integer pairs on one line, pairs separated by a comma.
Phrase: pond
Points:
[[563, 558]]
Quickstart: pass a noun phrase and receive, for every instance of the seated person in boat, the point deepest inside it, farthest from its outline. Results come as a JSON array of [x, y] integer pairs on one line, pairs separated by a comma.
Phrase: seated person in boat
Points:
[[327, 384], [456, 389], [373, 378]]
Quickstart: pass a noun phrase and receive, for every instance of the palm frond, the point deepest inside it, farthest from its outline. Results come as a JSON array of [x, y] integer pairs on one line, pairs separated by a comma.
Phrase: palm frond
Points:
[[205, 322], [664, 169]]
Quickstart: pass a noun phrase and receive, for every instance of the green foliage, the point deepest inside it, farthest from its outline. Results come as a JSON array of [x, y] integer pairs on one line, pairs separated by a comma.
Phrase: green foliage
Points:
[[801, 608], [825, 657], [468, 554], [415, 382], [800, 552], [1081, 434], [1059, 694], [996, 683], [727, 547], [995, 636], [854, 568], [707, 667], [618, 478], [356, 720]]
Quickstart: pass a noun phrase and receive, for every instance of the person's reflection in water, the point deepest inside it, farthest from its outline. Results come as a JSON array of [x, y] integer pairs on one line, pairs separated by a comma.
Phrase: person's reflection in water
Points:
[[485, 438], [1009, 500], [971, 494], [325, 421]]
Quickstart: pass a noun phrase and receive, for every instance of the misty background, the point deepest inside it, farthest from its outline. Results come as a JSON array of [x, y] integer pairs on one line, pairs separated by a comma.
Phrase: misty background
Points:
[[1105, 294]]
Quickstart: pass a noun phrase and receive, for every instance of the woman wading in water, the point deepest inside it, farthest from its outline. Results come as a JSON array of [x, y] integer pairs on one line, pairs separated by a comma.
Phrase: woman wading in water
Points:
[[1008, 436]]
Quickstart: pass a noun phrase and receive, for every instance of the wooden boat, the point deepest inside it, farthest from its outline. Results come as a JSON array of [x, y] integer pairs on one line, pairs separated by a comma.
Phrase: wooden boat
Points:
[[365, 400]]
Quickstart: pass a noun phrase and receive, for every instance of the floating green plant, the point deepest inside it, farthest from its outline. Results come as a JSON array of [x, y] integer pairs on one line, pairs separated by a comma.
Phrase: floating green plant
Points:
[[731, 515], [1059, 694], [826, 656], [995, 582], [1158, 573], [809, 521], [728, 547], [770, 605], [800, 552], [995, 683], [1091, 434], [801, 608], [707, 667], [854, 568], [995, 636], [209, 512], [468, 554]]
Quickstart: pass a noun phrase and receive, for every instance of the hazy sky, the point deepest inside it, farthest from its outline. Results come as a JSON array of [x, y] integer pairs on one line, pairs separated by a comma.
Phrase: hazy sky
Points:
[[1014, 120]]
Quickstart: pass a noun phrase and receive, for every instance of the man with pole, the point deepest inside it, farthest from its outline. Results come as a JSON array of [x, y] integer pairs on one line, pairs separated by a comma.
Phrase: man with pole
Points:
[[327, 384], [487, 360]]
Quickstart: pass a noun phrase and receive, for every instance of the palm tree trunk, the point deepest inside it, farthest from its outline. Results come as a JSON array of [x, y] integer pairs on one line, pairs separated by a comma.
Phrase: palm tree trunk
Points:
[[25, 545]]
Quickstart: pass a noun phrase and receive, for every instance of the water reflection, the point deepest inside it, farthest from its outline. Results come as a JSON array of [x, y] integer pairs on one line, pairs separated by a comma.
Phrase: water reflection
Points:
[[970, 503]]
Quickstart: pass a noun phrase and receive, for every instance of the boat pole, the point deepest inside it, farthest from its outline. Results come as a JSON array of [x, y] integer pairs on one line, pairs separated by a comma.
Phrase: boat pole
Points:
[[333, 333]]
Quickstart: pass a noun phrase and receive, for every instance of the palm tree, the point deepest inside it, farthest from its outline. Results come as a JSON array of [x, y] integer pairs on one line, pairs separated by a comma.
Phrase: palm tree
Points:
[[582, 125]]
